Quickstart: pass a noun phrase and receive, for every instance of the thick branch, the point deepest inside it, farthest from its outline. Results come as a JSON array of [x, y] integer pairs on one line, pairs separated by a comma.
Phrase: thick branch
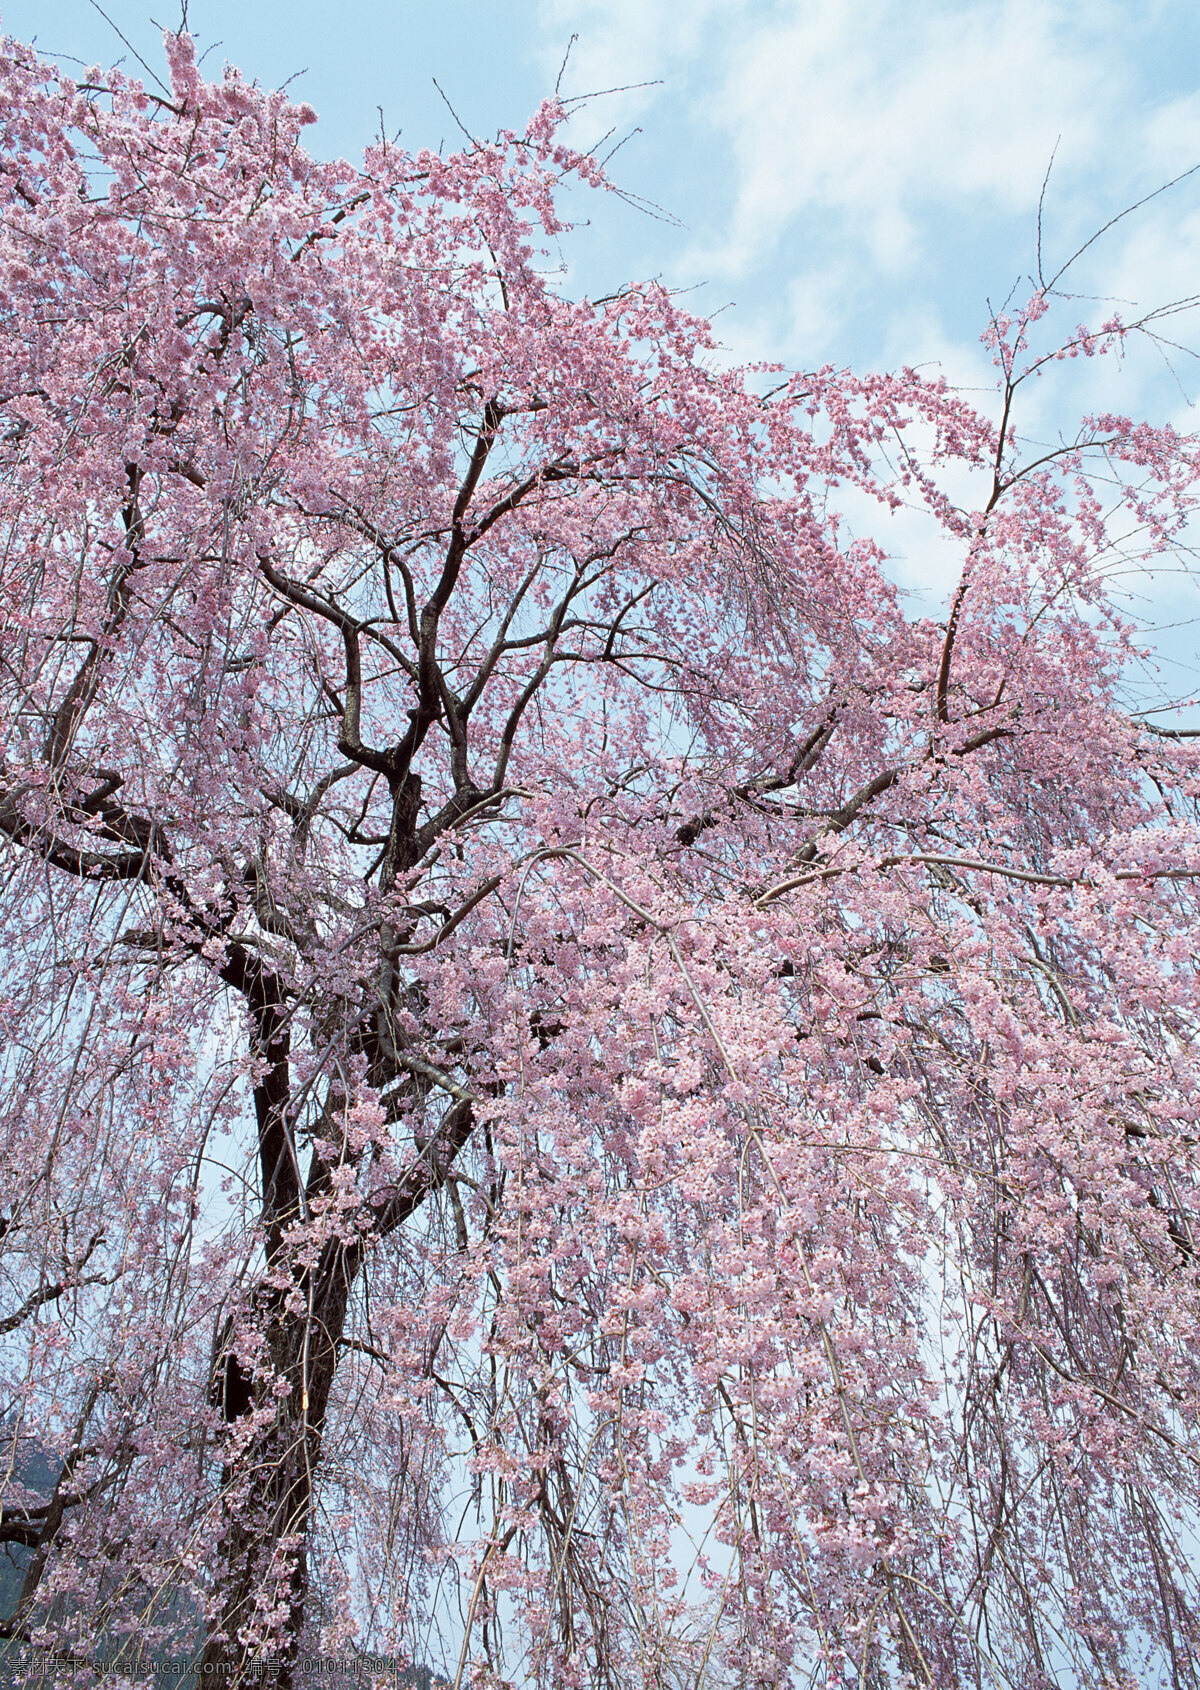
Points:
[[429, 1172], [270, 1021], [86, 865]]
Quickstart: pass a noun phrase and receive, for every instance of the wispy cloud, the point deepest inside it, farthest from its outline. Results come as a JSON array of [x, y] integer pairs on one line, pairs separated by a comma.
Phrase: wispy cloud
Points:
[[883, 113], [854, 148], [864, 175]]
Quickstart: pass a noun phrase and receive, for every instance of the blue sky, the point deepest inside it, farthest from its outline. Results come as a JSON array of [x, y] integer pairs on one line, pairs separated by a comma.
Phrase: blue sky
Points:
[[846, 180]]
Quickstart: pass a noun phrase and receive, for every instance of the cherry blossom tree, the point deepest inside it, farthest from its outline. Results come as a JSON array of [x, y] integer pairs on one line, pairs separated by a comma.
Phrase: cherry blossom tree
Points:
[[587, 1100]]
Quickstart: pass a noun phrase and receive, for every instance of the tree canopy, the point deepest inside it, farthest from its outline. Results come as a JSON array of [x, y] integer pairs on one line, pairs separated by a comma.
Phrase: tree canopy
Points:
[[587, 1099]]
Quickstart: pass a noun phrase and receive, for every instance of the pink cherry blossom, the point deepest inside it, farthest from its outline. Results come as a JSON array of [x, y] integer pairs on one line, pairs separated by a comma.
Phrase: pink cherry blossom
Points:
[[587, 1101]]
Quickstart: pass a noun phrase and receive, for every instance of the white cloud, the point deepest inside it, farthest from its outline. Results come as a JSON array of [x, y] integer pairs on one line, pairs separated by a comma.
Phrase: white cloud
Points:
[[628, 41], [872, 109], [865, 174], [877, 110]]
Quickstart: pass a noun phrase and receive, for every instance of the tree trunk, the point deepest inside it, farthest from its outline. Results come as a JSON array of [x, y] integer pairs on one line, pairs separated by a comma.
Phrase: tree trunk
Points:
[[267, 1490]]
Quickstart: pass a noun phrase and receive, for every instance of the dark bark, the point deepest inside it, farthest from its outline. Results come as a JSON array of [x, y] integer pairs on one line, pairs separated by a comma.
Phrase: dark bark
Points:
[[268, 1487]]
